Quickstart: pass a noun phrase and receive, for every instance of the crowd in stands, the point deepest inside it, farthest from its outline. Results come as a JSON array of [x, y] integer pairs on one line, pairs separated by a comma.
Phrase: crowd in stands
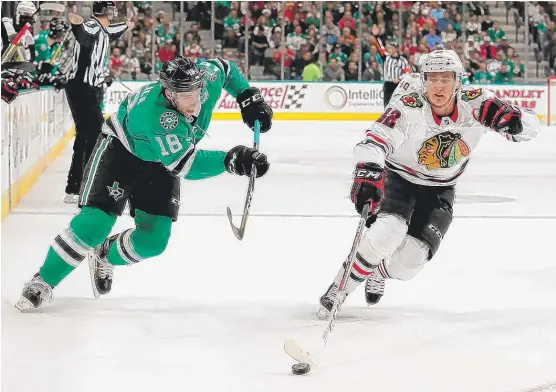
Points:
[[331, 40], [542, 25]]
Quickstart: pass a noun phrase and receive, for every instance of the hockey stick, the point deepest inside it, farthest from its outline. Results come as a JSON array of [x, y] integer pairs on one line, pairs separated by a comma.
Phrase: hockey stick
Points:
[[292, 347], [123, 85], [19, 66], [349, 264], [60, 46], [239, 232], [43, 7]]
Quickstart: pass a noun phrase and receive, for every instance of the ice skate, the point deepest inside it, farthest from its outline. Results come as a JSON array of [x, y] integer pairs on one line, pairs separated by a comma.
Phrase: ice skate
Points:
[[71, 198], [101, 270], [327, 301], [374, 288], [35, 294]]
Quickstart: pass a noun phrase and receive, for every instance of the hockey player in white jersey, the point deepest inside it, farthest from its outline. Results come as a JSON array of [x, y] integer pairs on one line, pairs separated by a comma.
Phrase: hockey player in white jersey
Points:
[[407, 168], [409, 83]]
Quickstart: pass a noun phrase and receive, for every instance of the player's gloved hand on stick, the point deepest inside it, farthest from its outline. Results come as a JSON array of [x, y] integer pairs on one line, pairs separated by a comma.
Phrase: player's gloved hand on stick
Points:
[[368, 188], [500, 116], [253, 107], [45, 68], [240, 159], [57, 82]]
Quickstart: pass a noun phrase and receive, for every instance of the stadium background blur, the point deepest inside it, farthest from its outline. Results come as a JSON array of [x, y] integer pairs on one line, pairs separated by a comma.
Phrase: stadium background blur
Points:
[[498, 42]]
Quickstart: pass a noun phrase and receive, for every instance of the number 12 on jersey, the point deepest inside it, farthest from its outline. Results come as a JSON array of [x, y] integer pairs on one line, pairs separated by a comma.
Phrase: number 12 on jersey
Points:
[[171, 143]]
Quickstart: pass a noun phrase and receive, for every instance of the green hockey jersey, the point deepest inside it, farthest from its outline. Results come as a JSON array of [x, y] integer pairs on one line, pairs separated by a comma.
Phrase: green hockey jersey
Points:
[[153, 130], [43, 52]]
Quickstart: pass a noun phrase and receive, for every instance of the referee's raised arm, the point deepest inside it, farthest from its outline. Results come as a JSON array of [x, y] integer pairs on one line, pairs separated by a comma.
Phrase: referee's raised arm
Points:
[[115, 30], [84, 35]]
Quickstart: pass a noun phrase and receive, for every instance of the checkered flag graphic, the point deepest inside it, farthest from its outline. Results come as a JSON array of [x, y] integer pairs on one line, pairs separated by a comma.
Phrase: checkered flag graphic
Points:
[[295, 96]]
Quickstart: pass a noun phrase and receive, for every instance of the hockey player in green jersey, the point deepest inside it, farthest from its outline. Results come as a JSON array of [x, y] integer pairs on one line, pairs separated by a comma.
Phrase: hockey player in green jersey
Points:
[[146, 147], [46, 43]]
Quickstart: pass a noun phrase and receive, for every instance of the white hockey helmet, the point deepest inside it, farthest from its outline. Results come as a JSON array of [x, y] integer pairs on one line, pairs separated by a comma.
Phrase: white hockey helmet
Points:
[[26, 9], [442, 61], [422, 59]]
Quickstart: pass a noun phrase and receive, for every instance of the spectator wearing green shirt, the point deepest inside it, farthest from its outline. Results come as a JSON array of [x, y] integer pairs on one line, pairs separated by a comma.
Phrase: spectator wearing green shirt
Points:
[[165, 32], [221, 8], [231, 27], [495, 33], [458, 23], [504, 76], [340, 56], [312, 71], [482, 75], [313, 18], [516, 67], [296, 39]]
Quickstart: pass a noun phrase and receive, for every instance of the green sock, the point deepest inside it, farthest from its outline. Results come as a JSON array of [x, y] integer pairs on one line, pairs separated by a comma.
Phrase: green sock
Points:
[[148, 239], [87, 230], [55, 269]]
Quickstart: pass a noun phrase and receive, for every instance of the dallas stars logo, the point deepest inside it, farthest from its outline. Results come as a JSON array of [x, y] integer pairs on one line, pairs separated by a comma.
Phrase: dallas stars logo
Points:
[[168, 120], [115, 191]]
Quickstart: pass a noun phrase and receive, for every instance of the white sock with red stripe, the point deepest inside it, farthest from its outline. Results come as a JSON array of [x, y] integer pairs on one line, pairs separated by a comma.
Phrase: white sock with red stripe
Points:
[[360, 271]]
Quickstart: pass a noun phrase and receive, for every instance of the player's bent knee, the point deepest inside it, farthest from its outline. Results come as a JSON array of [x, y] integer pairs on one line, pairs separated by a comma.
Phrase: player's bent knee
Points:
[[383, 237], [92, 225], [408, 260], [151, 235]]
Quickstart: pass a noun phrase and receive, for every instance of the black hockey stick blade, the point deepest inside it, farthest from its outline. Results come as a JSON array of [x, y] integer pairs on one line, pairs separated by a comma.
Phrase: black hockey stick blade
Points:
[[238, 232]]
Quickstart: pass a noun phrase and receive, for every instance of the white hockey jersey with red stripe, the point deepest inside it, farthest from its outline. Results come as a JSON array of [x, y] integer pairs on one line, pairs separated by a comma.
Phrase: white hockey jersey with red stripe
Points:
[[410, 139]]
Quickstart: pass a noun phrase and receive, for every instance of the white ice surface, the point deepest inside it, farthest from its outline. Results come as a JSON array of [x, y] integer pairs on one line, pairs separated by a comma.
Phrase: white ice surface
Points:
[[212, 313]]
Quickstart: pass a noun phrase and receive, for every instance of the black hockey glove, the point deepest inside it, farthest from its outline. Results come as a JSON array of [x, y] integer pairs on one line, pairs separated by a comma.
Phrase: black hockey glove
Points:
[[500, 116], [58, 82], [368, 188], [253, 107], [240, 159], [45, 68]]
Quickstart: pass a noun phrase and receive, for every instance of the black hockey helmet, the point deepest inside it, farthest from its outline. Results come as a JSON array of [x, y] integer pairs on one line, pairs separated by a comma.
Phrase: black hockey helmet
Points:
[[57, 28], [104, 8], [181, 75]]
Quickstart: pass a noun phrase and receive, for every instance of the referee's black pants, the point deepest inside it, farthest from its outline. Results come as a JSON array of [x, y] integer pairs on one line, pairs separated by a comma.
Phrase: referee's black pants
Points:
[[84, 102], [388, 89]]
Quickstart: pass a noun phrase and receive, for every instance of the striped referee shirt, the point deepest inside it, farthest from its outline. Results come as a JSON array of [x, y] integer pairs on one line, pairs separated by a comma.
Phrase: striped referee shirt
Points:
[[91, 50], [394, 67]]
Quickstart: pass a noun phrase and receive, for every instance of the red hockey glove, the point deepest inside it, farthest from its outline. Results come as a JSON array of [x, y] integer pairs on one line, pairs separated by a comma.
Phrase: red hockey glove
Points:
[[500, 116], [9, 91]]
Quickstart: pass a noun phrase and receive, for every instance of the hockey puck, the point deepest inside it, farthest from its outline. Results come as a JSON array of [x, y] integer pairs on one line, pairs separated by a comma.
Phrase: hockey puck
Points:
[[301, 368]]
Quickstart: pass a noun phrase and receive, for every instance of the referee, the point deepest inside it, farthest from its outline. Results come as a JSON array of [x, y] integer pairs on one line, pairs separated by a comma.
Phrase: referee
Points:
[[394, 66], [84, 89]]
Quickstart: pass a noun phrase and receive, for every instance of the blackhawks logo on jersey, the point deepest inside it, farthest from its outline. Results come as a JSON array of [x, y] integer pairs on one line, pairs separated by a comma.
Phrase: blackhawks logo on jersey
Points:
[[469, 95], [168, 120], [412, 100], [443, 151]]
